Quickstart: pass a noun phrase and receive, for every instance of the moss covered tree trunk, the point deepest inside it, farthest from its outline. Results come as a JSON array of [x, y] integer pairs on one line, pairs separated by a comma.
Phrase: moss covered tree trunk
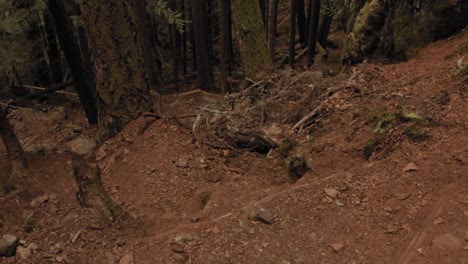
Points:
[[121, 85], [251, 36], [397, 29]]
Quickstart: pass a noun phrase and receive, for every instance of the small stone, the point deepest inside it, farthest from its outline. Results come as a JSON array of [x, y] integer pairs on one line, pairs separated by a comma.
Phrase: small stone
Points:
[[8, 245], [446, 241], [182, 163], [215, 230], [214, 178], [23, 252], [177, 248], [337, 247], [410, 167], [265, 216], [178, 257], [466, 235], [33, 247], [465, 248], [110, 257], [182, 237], [127, 259], [39, 200], [82, 146], [438, 221], [333, 193], [402, 196], [59, 259]]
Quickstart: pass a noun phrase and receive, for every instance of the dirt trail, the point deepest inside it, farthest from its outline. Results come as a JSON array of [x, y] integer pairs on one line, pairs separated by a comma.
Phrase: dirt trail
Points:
[[192, 203]]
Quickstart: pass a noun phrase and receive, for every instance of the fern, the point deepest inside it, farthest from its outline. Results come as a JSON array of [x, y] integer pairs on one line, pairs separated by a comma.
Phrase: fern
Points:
[[161, 8]]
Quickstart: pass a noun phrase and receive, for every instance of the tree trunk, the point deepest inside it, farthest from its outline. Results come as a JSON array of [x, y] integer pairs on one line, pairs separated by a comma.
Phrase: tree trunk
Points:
[[272, 28], [313, 30], [203, 59], [175, 47], [53, 54], [17, 160], [301, 21], [143, 25], [85, 56], [292, 33], [122, 89], [225, 10], [324, 29], [251, 36], [84, 85]]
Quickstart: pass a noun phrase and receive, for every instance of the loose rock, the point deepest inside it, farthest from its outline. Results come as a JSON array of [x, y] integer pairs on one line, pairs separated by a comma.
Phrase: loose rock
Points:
[[110, 257], [8, 245], [337, 247], [127, 259], [333, 193], [82, 146], [182, 163], [177, 248], [446, 241], [438, 221], [23, 252], [410, 167], [265, 216]]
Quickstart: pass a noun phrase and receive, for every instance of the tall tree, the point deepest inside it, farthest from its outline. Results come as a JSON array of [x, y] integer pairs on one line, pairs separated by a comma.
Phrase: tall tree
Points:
[[272, 27], [225, 11], [313, 30], [301, 21], [53, 54], [84, 84], [292, 33], [203, 59], [251, 36], [122, 89], [143, 24]]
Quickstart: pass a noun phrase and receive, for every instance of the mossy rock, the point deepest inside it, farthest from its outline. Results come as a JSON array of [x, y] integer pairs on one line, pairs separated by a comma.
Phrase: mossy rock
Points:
[[402, 28]]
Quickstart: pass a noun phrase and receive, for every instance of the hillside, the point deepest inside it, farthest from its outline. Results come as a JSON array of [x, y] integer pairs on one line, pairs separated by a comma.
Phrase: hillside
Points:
[[193, 196]]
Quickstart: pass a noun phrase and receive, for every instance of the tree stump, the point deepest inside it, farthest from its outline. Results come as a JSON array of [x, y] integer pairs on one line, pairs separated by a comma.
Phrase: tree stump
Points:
[[91, 192]]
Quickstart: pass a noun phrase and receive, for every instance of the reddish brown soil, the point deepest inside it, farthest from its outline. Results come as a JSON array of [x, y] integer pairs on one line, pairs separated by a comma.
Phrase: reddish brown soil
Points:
[[202, 212]]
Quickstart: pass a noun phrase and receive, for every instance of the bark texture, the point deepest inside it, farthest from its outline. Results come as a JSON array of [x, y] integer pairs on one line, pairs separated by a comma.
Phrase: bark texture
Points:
[[251, 36], [16, 158], [122, 89]]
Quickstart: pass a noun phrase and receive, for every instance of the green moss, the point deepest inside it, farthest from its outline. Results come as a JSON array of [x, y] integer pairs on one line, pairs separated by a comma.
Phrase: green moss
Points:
[[251, 36], [297, 166], [416, 132]]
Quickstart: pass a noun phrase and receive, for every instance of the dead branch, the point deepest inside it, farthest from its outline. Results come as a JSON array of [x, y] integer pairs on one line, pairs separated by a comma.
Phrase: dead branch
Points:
[[298, 127]]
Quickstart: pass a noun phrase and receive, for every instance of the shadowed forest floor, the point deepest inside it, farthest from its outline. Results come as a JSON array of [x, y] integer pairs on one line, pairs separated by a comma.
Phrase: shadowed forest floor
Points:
[[194, 199]]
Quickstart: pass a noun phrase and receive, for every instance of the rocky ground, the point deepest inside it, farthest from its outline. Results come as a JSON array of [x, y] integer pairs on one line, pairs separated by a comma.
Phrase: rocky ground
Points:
[[386, 147]]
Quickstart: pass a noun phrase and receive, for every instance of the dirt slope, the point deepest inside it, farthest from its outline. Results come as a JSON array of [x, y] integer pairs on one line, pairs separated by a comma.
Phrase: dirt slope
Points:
[[192, 203]]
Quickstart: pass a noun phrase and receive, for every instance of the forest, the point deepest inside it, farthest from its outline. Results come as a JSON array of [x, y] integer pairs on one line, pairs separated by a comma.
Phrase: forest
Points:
[[234, 131]]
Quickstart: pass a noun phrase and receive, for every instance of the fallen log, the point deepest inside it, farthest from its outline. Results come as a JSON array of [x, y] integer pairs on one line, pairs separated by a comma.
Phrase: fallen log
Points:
[[53, 89]]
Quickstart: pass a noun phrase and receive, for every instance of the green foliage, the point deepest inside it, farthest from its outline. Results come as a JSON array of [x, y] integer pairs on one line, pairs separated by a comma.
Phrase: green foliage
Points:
[[333, 8], [15, 48], [161, 8], [390, 127], [463, 71]]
